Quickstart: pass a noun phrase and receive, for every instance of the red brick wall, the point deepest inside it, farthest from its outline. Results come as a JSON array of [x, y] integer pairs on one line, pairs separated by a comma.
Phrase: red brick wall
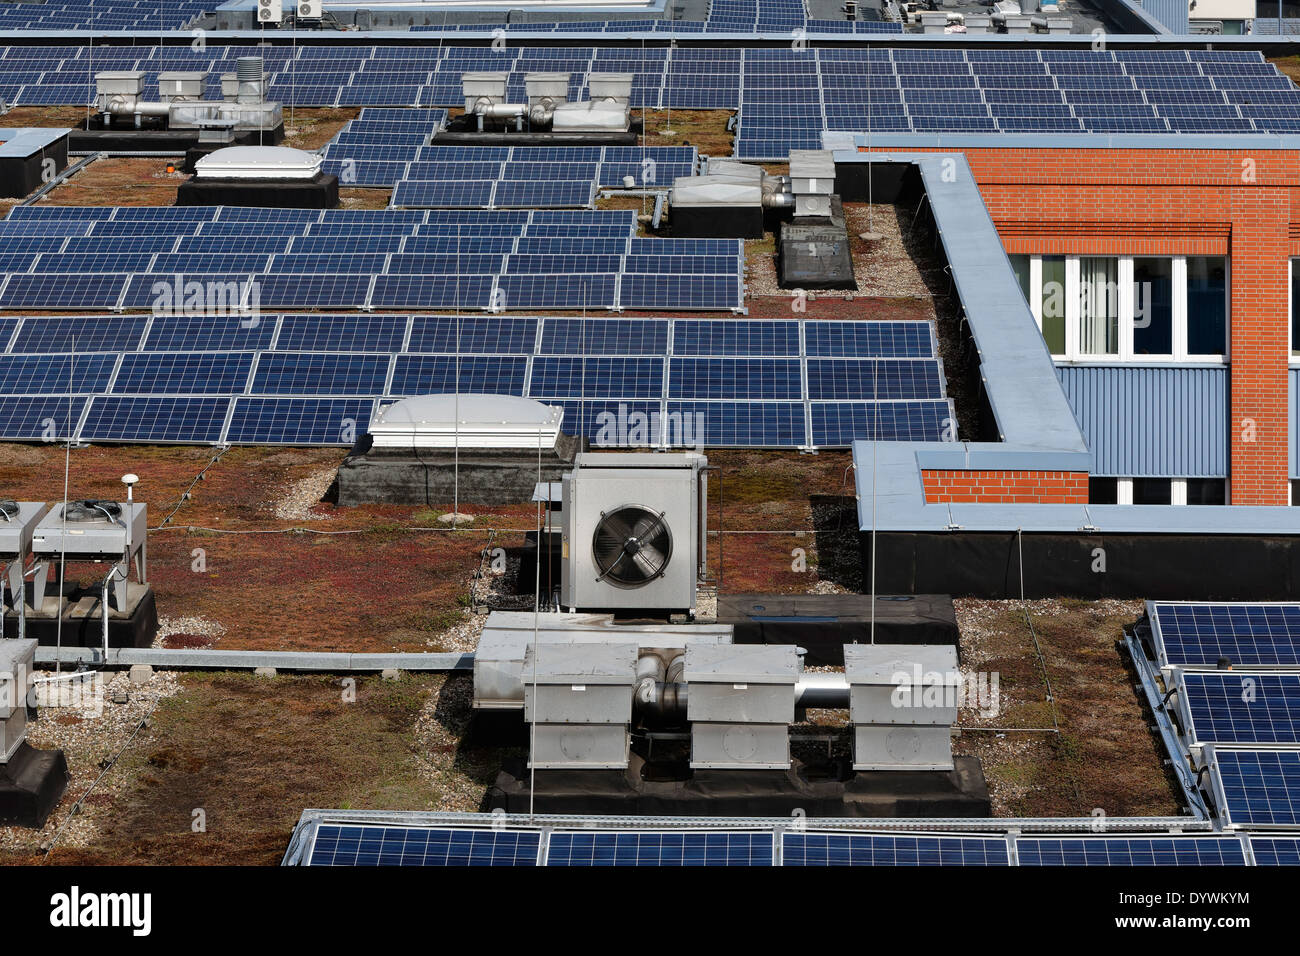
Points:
[[1007, 487], [1239, 203]]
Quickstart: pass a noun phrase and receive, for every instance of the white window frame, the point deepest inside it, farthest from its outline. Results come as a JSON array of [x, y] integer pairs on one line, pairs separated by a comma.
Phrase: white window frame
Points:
[[1126, 303]]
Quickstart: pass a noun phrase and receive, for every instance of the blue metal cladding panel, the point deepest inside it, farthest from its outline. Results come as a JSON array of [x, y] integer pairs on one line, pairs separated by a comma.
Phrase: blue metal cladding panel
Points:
[[1172, 13], [1151, 421]]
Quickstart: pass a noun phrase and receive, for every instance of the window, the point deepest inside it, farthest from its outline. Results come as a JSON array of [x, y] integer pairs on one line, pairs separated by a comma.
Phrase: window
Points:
[[1153, 307], [1206, 491], [1020, 266], [1143, 308], [1152, 491], [1051, 313], [1207, 305], [1295, 310], [1103, 491], [1098, 306]]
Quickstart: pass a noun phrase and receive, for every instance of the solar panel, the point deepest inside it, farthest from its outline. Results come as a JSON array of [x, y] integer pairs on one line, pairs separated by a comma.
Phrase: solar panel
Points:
[[1247, 634], [604, 336], [735, 424], [194, 333], [116, 418], [100, 333], [686, 292], [341, 333], [734, 378], [183, 372], [473, 333], [62, 291], [343, 845], [1242, 708], [659, 848], [45, 417], [611, 377], [871, 849], [874, 379], [55, 374], [837, 424], [299, 421], [735, 337], [425, 374], [869, 339], [319, 373], [1260, 788], [1275, 851], [1130, 851]]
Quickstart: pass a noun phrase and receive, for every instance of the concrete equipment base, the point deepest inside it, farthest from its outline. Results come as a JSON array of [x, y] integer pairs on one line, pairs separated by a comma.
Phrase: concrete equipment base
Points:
[[320, 192], [134, 626], [961, 792], [824, 623], [486, 477], [31, 785]]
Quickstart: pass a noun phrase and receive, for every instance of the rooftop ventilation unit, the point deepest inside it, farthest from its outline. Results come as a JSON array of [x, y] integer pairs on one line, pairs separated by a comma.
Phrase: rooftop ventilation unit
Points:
[[579, 700], [92, 530], [311, 9], [182, 85], [269, 11], [546, 89], [632, 529], [903, 703], [18, 520], [741, 703]]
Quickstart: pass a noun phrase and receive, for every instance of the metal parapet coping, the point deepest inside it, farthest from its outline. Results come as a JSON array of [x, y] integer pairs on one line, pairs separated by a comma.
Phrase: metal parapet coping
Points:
[[200, 659]]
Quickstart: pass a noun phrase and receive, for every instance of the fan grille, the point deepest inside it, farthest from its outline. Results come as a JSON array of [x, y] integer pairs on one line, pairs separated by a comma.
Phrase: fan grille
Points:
[[632, 546]]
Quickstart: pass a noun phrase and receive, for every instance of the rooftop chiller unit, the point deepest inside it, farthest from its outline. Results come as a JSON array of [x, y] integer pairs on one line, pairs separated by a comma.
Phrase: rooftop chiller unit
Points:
[[741, 703], [18, 520], [903, 703], [633, 531], [578, 698]]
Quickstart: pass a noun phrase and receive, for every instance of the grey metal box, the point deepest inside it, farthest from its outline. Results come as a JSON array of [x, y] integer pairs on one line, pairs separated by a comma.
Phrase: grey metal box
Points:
[[579, 747], [741, 683], [17, 660], [740, 746], [16, 529], [182, 83], [579, 684], [902, 748], [119, 82], [902, 684], [97, 540]]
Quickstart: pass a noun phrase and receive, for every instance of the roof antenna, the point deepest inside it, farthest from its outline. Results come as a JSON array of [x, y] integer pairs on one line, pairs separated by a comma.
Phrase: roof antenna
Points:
[[870, 235]]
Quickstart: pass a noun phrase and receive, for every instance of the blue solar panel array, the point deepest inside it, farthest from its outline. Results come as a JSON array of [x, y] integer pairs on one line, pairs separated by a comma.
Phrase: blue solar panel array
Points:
[[537, 260], [786, 97], [525, 177], [343, 842], [379, 163], [315, 379]]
